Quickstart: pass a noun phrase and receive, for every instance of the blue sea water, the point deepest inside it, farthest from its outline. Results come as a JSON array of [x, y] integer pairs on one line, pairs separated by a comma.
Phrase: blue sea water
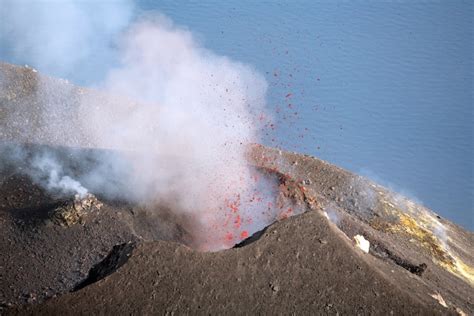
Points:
[[382, 88]]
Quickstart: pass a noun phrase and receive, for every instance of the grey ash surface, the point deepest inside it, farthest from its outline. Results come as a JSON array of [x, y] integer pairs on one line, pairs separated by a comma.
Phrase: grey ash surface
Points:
[[129, 259]]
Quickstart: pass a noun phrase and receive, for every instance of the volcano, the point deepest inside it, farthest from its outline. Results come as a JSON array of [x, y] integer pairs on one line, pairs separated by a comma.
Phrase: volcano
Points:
[[66, 254]]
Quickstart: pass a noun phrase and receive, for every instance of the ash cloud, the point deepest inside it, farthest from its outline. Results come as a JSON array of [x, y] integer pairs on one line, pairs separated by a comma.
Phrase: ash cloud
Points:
[[67, 39], [184, 136]]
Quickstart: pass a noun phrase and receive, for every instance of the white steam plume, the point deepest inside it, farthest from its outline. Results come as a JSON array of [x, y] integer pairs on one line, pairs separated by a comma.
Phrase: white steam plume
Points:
[[68, 39], [188, 135], [185, 137], [48, 172]]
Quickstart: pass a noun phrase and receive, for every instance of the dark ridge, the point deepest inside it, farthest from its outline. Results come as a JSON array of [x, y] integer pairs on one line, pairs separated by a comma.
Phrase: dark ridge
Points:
[[117, 257], [350, 228], [382, 252], [256, 236]]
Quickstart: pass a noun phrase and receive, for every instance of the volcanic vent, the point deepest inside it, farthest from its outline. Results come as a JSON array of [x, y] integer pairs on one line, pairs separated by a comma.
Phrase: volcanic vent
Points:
[[47, 224]]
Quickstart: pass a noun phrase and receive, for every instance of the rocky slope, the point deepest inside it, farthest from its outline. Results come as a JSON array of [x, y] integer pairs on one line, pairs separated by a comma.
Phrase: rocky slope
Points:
[[93, 255]]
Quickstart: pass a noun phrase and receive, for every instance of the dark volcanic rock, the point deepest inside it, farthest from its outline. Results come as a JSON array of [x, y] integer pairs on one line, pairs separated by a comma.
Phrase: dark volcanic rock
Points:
[[130, 259], [114, 260], [286, 271], [50, 243]]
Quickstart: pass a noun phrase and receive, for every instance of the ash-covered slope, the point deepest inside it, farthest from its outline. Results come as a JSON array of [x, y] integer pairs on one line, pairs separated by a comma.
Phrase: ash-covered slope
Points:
[[301, 265], [418, 263]]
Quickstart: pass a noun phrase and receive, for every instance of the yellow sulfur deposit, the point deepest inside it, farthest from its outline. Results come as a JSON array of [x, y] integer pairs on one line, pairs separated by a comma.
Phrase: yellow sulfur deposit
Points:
[[441, 254]]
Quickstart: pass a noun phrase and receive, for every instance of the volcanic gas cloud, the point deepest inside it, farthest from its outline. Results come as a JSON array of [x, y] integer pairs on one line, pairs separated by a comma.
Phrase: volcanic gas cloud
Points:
[[184, 136]]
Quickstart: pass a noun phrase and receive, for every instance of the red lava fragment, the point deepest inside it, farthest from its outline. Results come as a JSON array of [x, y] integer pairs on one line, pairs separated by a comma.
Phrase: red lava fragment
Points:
[[286, 214], [244, 234], [234, 205], [226, 222], [229, 237], [237, 221]]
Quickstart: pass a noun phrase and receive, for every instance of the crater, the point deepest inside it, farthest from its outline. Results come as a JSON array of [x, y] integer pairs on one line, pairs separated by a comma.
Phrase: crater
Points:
[[83, 239]]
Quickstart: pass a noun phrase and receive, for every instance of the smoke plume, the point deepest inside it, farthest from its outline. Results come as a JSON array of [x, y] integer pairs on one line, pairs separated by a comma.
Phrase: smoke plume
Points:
[[67, 39], [47, 171], [184, 136]]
